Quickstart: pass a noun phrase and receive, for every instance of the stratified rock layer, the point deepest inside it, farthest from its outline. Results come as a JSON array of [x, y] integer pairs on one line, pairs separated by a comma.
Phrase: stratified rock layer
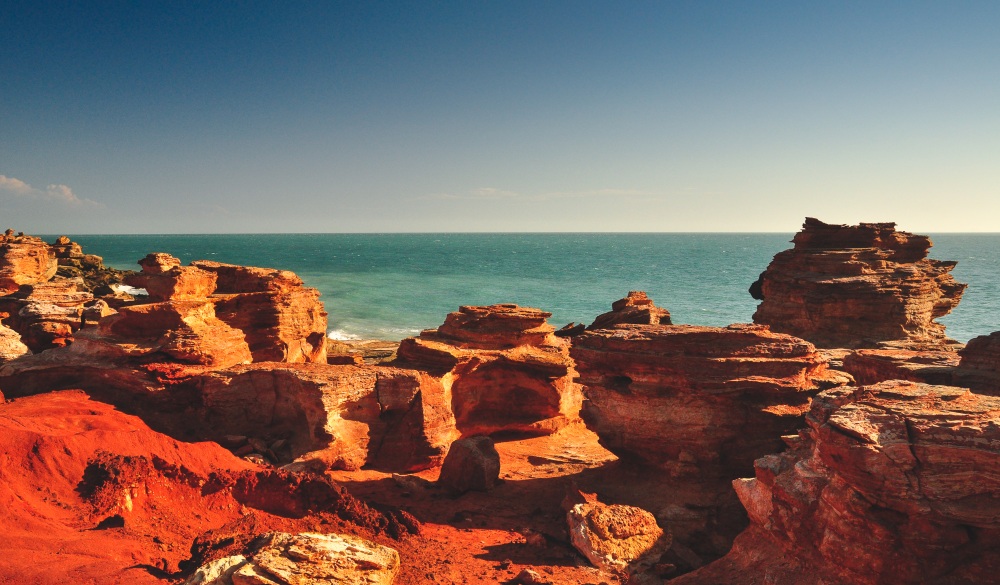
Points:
[[979, 367], [892, 483], [636, 308], [502, 367], [871, 366], [855, 286], [697, 400], [24, 260], [324, 416], [283, 320]]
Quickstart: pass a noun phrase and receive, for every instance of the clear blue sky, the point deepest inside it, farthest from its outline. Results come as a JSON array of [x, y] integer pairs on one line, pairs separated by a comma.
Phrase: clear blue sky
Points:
[[164, 117]]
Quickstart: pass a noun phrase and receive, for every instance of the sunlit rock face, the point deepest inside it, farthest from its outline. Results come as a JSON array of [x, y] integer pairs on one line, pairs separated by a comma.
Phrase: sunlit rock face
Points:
[[857, 286], [895, 482], [283, 320], [697, 400], [503, 368]]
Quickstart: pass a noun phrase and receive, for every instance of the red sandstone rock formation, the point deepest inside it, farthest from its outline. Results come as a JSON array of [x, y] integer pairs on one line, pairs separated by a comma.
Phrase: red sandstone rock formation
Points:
[[340, 417], [24, 260], [855, 286], [697, 401], [48, 314], [635, 308], [893, 483], [871, 366], [11, 346], [73, 263], [503, 368], [979, 367], [283, 320]]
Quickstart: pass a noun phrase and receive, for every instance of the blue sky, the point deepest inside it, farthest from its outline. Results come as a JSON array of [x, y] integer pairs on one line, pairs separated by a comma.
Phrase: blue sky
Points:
[[174, 117]]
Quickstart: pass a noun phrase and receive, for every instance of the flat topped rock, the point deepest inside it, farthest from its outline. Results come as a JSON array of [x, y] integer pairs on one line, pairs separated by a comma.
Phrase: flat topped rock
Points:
[[158, 263], [635, 307], [318, 559], [494, 327]]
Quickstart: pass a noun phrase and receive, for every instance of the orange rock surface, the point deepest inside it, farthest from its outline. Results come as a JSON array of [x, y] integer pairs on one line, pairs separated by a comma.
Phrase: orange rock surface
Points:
[[24, 260], [283, 320], [502, 367], [856, 286], [636, 308], [697, 400], [895, 482]]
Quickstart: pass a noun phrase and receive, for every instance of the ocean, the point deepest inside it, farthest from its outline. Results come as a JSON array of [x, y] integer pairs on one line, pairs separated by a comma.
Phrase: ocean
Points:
[[391, 286]]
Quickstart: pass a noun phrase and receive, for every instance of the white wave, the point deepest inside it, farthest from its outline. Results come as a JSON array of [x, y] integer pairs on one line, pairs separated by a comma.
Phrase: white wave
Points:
[[131, 290], [341, 335]]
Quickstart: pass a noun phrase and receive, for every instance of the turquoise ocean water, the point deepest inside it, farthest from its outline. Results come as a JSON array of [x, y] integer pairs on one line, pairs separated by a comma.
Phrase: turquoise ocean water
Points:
[[390, 286]]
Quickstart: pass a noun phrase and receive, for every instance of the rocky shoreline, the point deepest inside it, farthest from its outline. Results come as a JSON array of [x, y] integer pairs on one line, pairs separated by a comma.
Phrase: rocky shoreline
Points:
[[208, 432]]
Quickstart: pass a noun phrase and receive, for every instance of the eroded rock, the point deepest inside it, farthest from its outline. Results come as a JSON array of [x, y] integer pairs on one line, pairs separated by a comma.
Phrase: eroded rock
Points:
[[615, 537], [856, 286], [503, 367], [697, 400], [892, 482], [635, 308]]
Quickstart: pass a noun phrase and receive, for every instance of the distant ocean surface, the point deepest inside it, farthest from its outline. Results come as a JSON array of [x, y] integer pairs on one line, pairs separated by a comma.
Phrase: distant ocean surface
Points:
[[391, 286]]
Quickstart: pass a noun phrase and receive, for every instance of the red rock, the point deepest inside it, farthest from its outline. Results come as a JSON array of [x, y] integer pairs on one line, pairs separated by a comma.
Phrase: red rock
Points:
[[503, 368], [24, 260], [979, 367], [283, 320], [501, 326], [89, 493], [871, 366], [47, 314], [895, 482], [340, 417], [166, 280], [856, 286], [697, 401], [635, 308]]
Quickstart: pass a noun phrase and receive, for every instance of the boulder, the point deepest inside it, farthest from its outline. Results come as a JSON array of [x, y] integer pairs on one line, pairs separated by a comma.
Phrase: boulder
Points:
[[306, 558], [895, 482], [164, 279], [856, 286], [472, 464], [503, 367], [636, 308], [11, 346], [615, 537], [697, 401]]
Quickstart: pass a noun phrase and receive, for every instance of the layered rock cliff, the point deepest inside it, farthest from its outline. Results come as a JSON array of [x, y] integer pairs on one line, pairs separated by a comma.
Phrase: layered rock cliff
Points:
[[856, 286], [697, 400], [979, 367], [892, 483], [502, 367]]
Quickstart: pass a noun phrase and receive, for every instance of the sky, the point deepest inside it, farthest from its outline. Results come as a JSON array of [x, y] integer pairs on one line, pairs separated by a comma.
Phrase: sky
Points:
[[221, 117]]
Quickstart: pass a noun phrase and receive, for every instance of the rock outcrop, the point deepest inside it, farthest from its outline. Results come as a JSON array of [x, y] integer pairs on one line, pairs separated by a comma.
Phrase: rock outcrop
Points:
[[895, 482], [931, 366], [856, 286], [635, 308], [73, 263], [11, 346], [24, 260], [283, 320], [503, 368], [340, 417], [979, 367], [697, 401]]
